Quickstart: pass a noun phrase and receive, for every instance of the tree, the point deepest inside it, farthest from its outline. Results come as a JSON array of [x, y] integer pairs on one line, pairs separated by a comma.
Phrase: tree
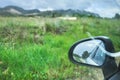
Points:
[[117, 16]]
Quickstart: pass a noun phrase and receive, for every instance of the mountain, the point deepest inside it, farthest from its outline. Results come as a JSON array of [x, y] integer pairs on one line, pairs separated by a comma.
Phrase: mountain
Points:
[[17, 11], [69, 12]]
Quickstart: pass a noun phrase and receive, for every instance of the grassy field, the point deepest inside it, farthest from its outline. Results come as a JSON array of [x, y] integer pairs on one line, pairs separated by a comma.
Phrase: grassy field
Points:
[[35, 48]]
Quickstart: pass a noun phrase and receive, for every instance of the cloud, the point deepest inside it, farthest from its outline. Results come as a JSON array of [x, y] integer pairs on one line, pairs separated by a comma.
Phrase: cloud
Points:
[[103, 7], [55, 4], [106, 8], [108, 12], [5, 3]]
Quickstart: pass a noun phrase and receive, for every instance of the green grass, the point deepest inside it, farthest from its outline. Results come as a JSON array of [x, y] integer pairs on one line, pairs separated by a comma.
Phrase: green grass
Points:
[[37, 48]]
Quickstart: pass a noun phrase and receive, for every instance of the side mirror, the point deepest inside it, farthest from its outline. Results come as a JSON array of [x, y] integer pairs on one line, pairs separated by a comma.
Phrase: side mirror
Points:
[[87, 52]]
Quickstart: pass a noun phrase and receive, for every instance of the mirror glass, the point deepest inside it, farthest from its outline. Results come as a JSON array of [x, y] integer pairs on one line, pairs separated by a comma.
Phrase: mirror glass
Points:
[[88, 52]]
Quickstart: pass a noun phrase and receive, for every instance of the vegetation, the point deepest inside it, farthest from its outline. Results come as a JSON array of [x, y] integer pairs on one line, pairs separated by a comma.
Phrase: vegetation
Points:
[[36, 48], [117, 16]]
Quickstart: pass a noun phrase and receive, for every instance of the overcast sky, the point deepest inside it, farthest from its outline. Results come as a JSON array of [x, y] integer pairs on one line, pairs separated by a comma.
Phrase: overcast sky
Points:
[[105, 8]]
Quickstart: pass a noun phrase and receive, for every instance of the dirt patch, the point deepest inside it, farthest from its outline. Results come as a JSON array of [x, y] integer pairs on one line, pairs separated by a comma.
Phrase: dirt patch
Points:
[[93, 74]]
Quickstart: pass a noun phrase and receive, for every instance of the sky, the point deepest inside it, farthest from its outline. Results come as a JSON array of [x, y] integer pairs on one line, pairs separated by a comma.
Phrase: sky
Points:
[[105, 8]]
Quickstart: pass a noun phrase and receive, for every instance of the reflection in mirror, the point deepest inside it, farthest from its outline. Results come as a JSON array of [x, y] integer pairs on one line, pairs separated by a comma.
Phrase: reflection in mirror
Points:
[[88, 52]]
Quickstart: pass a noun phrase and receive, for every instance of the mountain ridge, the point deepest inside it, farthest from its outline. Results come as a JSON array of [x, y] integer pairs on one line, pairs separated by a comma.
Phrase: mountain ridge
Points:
[[18, 11], [15, 10]]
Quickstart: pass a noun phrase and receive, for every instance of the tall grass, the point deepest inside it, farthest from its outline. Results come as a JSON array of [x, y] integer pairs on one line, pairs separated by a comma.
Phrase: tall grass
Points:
[[37, 48]]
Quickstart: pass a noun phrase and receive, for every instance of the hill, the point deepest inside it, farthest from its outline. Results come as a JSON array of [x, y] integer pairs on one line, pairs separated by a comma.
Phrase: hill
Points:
[[69, 12], [17, 11]]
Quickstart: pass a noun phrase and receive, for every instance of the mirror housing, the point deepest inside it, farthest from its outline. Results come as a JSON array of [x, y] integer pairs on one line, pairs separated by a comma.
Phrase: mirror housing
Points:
[[89, 52], [87, 48]]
